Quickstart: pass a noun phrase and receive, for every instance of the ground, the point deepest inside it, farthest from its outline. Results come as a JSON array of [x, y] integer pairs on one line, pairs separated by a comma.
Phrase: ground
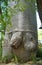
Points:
[[27, 63]]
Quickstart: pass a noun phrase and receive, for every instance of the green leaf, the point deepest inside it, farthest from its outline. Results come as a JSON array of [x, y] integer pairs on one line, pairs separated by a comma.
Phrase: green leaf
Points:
[[2, 26], [22, 6]]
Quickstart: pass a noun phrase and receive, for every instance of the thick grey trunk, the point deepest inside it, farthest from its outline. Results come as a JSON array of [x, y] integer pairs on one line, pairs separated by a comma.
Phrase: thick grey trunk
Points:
[[24, 22]]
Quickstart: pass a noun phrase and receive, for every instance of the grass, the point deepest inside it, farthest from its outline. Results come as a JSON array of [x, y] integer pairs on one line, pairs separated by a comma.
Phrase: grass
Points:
[[40, 34], [39, 52]]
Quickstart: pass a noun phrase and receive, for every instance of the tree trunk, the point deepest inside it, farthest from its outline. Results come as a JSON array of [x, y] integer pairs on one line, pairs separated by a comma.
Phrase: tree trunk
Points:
[[25, 27], [25, 22]]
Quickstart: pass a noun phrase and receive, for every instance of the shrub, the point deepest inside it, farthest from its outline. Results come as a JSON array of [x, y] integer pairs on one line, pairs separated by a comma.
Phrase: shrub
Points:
[[39, 52]]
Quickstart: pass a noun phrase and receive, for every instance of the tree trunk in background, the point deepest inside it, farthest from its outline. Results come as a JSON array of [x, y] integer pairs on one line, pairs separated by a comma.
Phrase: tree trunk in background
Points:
[[25, 24]]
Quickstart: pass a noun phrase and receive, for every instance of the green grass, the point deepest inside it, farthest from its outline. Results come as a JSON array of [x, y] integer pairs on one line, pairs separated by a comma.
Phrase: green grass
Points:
[[39, 52], [40, 34]]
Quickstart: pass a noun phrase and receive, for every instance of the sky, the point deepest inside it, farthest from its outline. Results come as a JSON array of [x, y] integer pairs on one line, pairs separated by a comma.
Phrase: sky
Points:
[[38, 20], [39, 30]]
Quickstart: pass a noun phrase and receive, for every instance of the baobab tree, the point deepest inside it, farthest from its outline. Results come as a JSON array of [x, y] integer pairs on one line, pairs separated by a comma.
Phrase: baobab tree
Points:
[[24, 39]]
